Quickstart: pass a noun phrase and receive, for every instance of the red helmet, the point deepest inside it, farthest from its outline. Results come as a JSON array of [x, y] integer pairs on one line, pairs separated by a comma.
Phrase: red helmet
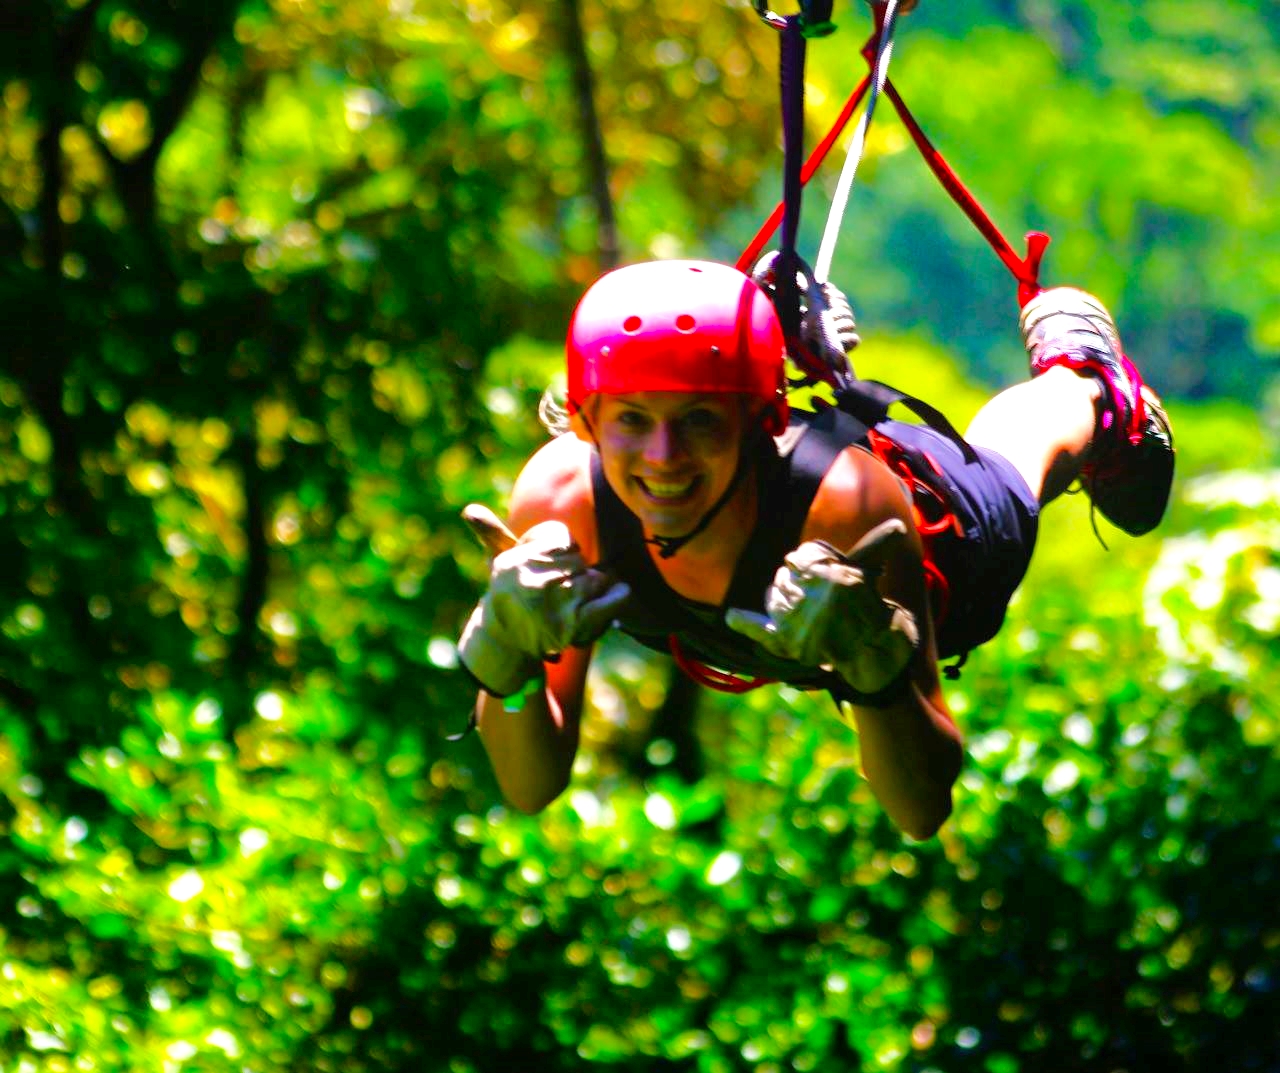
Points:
[[694, 326]]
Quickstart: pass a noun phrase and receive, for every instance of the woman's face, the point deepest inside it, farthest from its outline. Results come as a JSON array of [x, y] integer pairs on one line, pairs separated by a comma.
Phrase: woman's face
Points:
[[669, 456]]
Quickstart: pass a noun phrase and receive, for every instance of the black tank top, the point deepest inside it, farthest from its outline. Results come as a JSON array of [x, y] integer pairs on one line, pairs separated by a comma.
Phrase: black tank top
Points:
[[787, 481]]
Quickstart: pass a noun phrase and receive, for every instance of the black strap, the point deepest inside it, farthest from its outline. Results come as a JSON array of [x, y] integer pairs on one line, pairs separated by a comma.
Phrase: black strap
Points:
[[869, 402], [814, 20], [788, 486], [885, 697], [791, 65]]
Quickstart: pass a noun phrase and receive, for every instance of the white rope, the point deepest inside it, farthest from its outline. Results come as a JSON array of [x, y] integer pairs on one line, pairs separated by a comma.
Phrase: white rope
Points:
[[822, 267]]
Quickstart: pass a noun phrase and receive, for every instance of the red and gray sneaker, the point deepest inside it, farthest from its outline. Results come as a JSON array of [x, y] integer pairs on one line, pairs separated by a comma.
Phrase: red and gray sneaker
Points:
[[1130, 471]]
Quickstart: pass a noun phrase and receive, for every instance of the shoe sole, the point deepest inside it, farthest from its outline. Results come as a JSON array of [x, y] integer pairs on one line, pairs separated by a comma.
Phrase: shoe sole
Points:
[[1136, 499]]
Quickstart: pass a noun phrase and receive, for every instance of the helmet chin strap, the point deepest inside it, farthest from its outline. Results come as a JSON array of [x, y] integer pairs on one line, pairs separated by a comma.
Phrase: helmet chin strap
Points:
[[668, 545]]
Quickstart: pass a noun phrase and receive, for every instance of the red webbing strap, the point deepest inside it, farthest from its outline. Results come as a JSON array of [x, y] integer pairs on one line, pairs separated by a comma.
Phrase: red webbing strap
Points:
[[711, 677], [1025, 270], [944, 518]]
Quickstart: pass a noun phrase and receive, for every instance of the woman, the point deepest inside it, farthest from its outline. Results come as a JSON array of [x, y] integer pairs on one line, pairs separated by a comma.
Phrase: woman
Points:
[[689, 507]]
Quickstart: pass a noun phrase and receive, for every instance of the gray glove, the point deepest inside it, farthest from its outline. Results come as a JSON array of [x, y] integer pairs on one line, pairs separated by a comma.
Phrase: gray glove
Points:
[[542, 598], [823, 610]]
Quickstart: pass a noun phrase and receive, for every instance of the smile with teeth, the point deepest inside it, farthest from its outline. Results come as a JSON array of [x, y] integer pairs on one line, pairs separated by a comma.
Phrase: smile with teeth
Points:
[[669, 491]]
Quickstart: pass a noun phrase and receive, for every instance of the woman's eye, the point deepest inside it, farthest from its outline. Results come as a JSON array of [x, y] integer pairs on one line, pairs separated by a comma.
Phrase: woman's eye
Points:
[[700, 420], [631, 419]]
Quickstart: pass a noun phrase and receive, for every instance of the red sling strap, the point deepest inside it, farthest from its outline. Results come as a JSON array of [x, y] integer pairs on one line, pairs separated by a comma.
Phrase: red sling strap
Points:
[[1025, 270]]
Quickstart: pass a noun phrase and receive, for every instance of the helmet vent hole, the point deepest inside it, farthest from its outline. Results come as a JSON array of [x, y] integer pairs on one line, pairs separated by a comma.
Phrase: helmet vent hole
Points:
[[685, 323], [631, 324]]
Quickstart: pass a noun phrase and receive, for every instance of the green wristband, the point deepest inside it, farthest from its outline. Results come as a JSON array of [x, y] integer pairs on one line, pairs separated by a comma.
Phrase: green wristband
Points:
[[515, 702]]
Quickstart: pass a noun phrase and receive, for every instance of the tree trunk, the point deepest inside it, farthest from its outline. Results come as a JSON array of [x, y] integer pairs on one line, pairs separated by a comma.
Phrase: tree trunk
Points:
[[592, 136]]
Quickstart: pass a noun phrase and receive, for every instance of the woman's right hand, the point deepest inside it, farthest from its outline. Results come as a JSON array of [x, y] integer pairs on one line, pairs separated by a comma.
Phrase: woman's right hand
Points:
[[542, 598]]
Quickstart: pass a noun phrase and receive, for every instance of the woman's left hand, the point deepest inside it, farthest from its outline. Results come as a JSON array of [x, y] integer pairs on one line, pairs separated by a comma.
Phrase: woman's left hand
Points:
[[824, 610]]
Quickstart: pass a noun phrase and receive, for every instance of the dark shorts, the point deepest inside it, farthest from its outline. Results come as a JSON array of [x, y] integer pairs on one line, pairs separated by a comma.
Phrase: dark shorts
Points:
[[999, 516]]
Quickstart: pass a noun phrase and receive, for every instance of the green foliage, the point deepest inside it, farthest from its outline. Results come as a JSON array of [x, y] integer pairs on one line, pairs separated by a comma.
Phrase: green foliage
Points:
[[284, 283]]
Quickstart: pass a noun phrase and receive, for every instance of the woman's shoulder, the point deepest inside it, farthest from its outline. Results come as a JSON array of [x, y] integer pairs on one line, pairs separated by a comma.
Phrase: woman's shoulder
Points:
[[555, 485], [858, 493]]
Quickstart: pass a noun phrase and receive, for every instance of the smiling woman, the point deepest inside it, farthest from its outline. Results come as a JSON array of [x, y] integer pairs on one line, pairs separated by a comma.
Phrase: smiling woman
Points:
[[689, 506]]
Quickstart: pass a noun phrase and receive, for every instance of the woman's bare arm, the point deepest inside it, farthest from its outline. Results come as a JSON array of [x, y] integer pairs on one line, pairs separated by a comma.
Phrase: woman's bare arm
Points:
[[532, 748], [911, 749]]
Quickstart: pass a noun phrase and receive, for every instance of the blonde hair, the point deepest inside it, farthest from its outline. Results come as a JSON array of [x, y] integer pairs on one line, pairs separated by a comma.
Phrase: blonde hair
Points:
[[553, 413]]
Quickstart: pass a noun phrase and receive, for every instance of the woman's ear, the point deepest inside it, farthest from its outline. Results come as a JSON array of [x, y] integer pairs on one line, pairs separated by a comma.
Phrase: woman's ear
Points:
[[770, 416], [774, 418], [580, 423]]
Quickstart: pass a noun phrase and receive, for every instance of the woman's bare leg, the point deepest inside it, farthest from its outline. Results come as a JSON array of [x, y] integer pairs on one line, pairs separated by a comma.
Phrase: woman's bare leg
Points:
[[1045, 427]]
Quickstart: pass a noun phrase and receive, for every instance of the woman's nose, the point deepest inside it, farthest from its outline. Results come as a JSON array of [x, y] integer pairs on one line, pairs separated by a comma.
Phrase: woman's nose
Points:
[[663, 443]]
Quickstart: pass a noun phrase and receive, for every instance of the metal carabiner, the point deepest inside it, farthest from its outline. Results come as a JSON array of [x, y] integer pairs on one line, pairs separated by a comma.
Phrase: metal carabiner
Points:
[[810, 26], [817, 349], [778, 22]]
